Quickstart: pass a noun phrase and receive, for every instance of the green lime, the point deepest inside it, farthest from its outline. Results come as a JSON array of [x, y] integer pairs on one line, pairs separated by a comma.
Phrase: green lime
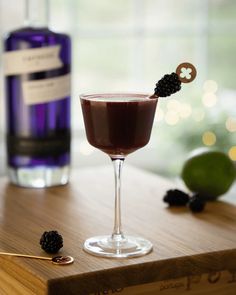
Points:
[[208, 172]]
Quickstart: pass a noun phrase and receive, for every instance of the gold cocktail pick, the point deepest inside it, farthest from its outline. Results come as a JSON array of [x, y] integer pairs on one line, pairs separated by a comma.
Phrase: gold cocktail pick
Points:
[[186, 73], [58, 260]]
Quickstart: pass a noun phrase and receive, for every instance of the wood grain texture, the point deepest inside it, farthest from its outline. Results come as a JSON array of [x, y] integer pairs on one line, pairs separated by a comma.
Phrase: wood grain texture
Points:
[[184, 244]]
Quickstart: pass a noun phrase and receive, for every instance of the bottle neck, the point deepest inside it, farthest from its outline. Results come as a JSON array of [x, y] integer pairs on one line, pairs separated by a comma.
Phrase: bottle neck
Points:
[[36, 13]]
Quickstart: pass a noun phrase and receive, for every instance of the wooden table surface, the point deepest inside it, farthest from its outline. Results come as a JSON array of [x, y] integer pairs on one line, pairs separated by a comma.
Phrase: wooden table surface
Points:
[[184, 243]]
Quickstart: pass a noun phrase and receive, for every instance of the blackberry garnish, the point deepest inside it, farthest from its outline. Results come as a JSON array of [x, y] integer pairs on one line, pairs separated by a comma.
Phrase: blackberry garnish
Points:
[[168, 85], [196, 203], [51, 241], [176, 197]]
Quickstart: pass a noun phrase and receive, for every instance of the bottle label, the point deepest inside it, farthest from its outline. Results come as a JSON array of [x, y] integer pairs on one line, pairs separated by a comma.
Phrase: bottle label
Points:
[[32, 60], [47, 146], [46, 90]]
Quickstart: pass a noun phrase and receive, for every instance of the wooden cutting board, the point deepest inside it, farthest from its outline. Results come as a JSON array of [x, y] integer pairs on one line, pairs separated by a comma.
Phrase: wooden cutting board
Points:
[[193, 253]]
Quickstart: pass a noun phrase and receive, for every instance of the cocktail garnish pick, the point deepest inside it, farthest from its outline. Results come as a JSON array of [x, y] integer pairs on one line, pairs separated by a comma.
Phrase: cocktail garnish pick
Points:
[[58, 260], [170, 84]]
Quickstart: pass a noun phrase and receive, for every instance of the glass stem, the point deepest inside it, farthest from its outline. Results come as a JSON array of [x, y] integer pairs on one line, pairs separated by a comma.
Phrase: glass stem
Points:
[[117, 232]]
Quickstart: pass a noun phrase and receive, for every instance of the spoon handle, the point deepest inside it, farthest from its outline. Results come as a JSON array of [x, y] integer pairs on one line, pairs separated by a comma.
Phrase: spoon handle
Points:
[[25, 255]]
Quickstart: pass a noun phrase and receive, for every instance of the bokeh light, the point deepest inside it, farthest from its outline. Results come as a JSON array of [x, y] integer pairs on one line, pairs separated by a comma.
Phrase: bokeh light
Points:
[[210, 86], [198, 115], [232, 153], [230, 124], [173, 104], [171, 117], [209, 99], [185, 110], [209, 138]]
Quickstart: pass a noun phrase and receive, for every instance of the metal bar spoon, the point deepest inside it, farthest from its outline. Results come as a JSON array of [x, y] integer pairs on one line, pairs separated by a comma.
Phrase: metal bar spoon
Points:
[[58, 260]]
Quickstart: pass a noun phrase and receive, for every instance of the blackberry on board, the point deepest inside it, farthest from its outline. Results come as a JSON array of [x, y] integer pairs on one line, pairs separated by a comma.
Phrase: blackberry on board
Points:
[[176, 197], [196, 203], [51, 241]]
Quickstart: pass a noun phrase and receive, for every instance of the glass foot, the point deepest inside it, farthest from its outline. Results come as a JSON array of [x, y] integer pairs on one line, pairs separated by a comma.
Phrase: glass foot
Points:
[[126, 247]]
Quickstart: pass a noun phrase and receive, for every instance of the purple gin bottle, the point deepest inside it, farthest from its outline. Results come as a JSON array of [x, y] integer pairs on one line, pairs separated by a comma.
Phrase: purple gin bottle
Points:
[[37, 74]]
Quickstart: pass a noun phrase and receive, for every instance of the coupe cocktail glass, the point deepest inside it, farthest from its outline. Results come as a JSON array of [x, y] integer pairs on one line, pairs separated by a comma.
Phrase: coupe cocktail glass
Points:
[[118, 124]]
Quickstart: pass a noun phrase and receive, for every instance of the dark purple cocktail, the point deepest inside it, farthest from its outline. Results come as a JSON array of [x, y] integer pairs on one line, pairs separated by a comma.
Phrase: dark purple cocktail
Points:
[[118, 124]]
